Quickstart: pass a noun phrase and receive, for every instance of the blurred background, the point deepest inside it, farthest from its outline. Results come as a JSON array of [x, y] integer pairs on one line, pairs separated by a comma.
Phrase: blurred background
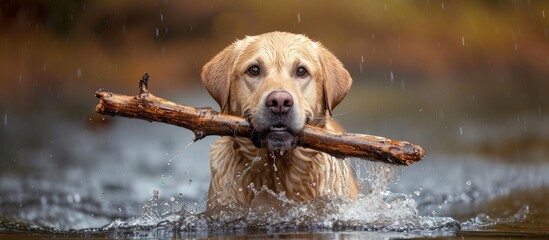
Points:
[[465, 79]]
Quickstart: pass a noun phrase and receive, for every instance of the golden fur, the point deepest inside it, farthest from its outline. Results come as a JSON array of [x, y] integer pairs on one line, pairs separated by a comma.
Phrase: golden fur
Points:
[[237, 165]]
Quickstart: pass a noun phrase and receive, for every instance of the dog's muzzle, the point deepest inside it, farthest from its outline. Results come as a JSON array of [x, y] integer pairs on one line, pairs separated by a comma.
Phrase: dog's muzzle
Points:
[[275, 131]]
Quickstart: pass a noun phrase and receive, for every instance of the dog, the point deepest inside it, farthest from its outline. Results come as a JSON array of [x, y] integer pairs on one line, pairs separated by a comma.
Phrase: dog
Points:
[[279, 82]]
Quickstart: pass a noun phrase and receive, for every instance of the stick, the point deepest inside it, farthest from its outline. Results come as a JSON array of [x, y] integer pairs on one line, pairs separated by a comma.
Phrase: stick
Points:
[[205, 121]]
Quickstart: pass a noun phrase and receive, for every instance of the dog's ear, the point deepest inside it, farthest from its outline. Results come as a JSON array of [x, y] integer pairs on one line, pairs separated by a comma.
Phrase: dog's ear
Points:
[[216, 76], [337, 80]]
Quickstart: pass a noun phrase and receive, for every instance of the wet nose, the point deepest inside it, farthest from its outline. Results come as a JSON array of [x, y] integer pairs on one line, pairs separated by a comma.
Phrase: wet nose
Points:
[[279, 102]]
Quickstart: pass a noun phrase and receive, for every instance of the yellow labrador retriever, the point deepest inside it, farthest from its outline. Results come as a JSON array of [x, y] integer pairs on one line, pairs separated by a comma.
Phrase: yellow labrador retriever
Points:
[[279, 82]]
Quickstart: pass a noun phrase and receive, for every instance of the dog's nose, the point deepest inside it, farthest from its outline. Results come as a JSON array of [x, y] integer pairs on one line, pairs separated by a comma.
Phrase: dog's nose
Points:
[[279, 102]]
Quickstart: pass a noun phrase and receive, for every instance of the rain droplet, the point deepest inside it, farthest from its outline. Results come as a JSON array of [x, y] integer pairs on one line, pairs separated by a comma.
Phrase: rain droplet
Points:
[[157, 32], [79, 73], [460, 130], [190, 181], [239, 189], [417, 193], [6, 118], [172, 199], [468, 182], [162, 17], [298, 17], [463, 41]]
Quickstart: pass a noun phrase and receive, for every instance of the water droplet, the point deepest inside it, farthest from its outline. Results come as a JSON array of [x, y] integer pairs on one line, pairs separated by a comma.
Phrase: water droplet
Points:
[[6, 118], [155, 194], [162, 17], [298, 17], [516, 47], [157, 33], [163, 176], [43, 200], [468, 182], [463, 41], [172, 199], [460, 130], [120, 209], [78, 73], [417, 192], [190, 181], [239, 189]]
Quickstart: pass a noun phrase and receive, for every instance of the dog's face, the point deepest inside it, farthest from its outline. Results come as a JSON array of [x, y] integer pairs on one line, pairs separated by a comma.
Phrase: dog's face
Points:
[[279, 82]]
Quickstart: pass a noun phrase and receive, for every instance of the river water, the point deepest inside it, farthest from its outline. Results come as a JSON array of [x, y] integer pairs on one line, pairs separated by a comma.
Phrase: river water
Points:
[[99, 177]]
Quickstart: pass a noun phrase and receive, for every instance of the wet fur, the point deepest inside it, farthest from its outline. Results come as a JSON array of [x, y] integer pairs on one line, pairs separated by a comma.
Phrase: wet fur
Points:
[[237, 166]]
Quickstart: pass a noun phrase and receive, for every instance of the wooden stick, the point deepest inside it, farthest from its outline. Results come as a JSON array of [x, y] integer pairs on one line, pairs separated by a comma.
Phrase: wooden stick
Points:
[[205, 121]]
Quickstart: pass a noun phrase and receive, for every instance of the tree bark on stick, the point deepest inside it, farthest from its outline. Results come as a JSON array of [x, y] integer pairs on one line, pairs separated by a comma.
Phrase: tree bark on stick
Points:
[[205, 121]]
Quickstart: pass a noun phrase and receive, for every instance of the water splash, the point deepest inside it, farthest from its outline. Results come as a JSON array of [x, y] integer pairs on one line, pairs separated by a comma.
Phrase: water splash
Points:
[[379, 209]]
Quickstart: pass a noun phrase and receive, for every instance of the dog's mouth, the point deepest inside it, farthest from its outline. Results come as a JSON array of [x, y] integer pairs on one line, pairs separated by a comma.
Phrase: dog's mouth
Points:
[[276, 137]]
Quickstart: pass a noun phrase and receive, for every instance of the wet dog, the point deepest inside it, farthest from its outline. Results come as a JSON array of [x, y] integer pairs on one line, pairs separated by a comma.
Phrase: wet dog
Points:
[[279, 82]]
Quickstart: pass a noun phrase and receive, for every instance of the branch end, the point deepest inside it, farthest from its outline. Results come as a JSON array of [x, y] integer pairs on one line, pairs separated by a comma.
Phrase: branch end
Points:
[[144, 86]]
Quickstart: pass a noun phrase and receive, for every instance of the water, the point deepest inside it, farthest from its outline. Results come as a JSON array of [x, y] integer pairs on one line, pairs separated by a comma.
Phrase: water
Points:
[[108, 183]]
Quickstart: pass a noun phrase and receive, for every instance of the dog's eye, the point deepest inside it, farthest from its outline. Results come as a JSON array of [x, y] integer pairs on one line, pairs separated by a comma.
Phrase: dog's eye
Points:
[[254, 70], [301, 71]]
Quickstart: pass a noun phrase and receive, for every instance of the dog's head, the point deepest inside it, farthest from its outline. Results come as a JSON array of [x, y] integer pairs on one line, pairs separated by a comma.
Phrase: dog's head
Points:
[[279, 82]]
